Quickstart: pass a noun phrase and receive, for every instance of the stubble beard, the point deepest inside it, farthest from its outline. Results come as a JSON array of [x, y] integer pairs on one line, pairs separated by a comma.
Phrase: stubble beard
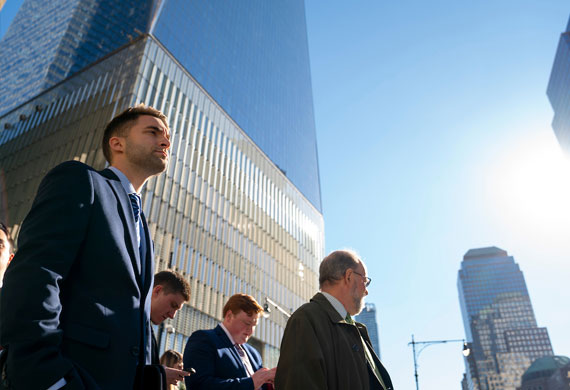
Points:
[[148, 162]]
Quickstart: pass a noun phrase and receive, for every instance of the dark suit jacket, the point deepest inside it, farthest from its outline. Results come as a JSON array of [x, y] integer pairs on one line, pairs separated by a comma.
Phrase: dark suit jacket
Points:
[[154, 358], [77, 306], [217, 362]]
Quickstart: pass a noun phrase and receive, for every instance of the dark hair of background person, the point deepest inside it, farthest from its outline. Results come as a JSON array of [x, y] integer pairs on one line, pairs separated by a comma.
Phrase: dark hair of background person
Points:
[[171, 358], [172, 283]]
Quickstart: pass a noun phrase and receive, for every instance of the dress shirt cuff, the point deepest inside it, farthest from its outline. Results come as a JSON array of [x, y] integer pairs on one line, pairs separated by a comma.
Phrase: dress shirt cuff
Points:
[[58, 385]]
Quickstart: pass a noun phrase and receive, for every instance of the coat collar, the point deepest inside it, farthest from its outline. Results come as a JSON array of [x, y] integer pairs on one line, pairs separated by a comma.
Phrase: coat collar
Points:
[[223, 336], [324, 303], [332, 313], [228, 344]]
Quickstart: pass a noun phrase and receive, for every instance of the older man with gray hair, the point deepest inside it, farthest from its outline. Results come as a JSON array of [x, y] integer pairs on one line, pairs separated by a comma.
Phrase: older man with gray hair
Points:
[[323, 347]]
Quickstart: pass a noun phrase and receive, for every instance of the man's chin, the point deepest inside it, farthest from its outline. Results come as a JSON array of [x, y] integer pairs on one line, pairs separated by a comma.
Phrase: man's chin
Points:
[[158, 167]]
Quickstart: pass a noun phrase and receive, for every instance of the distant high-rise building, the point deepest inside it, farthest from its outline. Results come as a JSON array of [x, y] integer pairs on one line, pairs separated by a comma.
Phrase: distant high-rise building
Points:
[[239, 207], [368, 317], [558, 90], [499, 321], [547, 373]]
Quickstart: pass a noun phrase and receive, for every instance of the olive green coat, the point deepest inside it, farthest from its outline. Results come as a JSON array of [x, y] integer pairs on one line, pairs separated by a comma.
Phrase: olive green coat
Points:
[[320, 350]]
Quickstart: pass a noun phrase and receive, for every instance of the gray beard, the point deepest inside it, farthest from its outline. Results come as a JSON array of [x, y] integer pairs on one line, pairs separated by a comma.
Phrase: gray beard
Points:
[[358, 302]]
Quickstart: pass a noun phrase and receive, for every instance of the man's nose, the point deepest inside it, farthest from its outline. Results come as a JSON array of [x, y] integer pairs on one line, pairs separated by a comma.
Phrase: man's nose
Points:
[[165, 141]]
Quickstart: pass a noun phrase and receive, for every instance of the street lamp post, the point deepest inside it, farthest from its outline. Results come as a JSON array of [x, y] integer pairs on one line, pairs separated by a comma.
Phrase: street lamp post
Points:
[[425, 344], [472, 365], [267, 308]]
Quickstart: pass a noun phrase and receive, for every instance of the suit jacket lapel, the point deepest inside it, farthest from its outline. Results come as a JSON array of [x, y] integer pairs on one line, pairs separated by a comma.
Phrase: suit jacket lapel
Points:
[[228, 344], [149, 263], [126, 214]]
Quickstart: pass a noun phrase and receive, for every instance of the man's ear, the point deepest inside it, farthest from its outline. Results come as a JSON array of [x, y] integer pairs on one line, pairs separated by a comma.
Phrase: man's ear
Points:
[[156, 289], [117, 144], [348, 273]]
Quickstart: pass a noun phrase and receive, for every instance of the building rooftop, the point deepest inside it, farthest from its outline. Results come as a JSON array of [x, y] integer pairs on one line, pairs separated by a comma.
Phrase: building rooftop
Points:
[[482, 253], [545, 366]]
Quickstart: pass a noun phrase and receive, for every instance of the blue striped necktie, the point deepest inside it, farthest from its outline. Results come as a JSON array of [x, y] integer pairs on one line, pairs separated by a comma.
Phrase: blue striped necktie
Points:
[[136, 205], [137, 212]]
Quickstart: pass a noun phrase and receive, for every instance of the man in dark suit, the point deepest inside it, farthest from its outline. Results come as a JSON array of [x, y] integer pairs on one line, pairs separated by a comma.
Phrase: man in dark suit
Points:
[[169, 293], [79, 288], [221, 357]]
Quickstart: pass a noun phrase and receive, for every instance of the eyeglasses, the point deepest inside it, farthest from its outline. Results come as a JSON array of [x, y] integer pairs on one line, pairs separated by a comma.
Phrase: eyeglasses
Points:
[[367, 280]]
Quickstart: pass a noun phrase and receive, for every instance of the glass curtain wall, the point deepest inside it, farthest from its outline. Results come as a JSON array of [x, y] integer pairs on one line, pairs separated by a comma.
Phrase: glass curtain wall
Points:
[[223, 214]]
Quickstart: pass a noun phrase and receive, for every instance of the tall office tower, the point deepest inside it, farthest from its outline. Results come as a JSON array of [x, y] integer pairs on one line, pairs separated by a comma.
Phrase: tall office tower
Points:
[[558, 90], [368, 317], [499, 320], [239, 208]]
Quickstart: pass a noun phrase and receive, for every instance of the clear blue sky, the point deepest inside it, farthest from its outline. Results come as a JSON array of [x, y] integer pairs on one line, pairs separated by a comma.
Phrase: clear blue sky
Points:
[[434, 138]]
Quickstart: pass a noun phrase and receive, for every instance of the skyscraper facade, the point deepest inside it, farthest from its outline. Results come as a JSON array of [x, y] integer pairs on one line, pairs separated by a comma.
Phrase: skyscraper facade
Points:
[[368, 317], [252, 59], [499, 321], [558, 90], [238, 209]]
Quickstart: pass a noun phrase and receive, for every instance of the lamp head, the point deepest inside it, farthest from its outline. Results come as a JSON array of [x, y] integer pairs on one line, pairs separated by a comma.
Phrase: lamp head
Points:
[[466, 349], [266, 310]]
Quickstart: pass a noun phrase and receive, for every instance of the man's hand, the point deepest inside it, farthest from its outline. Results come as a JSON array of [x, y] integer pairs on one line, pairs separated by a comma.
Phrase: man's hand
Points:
[[262, 376], [173, 376]]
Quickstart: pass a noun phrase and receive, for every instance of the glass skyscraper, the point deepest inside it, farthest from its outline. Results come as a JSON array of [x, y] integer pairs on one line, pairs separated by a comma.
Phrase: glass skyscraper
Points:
[[499, 320], [368, 317], [558, 90], [239, 208]]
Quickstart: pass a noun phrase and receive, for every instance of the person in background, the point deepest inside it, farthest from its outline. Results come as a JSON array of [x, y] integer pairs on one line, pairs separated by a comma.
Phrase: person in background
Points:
[[221, 357], [322, 346], [173, 359], [6, 250], [169, 293]]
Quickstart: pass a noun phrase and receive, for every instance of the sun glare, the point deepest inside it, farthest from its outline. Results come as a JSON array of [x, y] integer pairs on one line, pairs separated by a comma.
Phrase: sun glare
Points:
[[531, 185]]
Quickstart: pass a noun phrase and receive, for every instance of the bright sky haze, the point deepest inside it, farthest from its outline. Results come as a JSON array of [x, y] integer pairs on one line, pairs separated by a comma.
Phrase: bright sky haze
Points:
[[434, 138]]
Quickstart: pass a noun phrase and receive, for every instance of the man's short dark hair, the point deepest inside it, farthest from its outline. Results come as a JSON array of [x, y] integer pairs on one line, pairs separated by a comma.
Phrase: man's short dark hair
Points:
[[172, 283], [122, 123], [242, 302], [334, 266], [4, 228]]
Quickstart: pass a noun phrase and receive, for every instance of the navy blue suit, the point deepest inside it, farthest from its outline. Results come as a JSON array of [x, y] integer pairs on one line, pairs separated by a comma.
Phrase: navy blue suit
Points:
[[74, 302], [217, 362]]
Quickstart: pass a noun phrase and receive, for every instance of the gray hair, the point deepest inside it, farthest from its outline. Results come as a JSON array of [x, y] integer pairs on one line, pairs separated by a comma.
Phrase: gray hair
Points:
[[334, 266]]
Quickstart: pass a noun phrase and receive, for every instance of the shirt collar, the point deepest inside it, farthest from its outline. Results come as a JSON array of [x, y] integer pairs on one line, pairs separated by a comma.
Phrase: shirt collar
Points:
[[339, 307], [124, 181], [228, 333]]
